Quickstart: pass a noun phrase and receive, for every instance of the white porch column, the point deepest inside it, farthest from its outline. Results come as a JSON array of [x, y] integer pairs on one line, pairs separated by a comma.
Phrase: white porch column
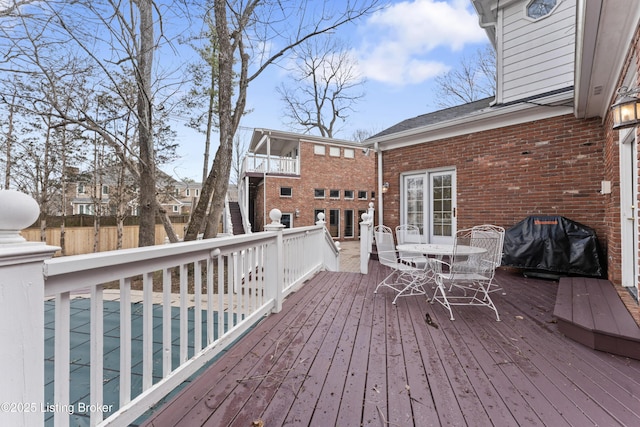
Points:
[[275, 259], [21, 313]]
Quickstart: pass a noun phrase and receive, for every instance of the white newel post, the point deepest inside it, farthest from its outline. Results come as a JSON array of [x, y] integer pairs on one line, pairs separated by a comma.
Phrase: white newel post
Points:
[[365, 242], [275, 259], [21, 313]]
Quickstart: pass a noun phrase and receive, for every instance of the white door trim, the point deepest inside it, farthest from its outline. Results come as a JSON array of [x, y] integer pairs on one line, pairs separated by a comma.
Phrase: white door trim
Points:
[[428, 203], [629, 209]]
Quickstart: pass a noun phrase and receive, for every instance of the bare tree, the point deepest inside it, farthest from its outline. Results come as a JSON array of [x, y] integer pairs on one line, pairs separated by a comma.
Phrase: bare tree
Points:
[[324, 85], [360, 135], [82, 30], [473, 79], [239, 149], [202, 97], [244, 31]]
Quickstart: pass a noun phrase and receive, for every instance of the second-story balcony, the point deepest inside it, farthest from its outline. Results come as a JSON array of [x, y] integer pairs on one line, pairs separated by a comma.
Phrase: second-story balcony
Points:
[[264, 164]]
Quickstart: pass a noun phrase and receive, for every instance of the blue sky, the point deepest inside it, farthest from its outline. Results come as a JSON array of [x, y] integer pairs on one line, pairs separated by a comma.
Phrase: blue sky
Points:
[[400, 50]]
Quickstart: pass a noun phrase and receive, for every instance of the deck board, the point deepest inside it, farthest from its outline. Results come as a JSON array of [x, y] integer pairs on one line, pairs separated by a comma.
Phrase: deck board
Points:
[[340, 355]]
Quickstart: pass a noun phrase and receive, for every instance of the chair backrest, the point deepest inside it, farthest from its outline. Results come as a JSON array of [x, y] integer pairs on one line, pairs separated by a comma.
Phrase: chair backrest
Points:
[[408, 233], [385, 245], [497, 243], [480, 263]]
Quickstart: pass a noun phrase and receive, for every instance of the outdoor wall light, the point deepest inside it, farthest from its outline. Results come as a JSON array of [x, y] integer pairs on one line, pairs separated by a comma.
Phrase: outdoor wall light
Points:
[[297, 212], [385, 187], [626, 110]]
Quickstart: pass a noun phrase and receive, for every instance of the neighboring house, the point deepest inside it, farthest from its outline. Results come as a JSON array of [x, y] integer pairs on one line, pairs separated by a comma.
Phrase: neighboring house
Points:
[[302, 176], [180, 198], [545, 144], [85, 199], [176, 197]]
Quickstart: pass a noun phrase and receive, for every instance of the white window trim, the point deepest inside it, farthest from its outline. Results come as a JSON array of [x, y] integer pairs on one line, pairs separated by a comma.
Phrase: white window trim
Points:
[[285, 196], [530, 19]]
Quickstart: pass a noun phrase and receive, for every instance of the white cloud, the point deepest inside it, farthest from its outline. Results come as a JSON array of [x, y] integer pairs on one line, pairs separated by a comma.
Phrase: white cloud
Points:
[[399, 43]]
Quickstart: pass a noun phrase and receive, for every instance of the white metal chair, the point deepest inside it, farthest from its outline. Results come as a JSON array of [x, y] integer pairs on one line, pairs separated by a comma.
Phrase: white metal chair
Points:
[[410, 234], [494, 245], [466, 279], [406, 279]]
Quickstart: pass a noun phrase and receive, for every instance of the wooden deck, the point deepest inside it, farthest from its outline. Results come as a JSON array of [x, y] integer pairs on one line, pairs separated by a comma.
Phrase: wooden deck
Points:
[[338, 354], [591, 312]]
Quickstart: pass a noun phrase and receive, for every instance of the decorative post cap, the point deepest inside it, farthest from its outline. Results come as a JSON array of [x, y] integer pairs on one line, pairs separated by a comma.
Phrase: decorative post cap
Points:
[[17, 212], [275, 225], [320, 219], [275, 215]]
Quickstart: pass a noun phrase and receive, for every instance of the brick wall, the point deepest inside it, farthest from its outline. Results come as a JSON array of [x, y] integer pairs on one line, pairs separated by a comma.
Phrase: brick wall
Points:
[[320, 171], [547, 167]]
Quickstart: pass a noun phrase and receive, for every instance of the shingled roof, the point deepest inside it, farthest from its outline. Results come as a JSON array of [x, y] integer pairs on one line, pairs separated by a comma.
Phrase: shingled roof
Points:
[[437, 117]]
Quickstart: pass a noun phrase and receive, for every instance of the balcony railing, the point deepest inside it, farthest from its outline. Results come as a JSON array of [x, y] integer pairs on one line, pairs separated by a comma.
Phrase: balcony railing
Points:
[[234, 281], [271, 164]]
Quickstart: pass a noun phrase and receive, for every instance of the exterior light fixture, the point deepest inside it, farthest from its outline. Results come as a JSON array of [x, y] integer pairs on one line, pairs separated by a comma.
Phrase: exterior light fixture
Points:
[[385, 187], [297, 211], [626, 110]]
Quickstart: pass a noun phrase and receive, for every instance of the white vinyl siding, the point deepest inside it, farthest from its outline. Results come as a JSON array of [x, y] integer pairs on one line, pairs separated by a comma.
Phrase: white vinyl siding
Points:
[[537, 56]]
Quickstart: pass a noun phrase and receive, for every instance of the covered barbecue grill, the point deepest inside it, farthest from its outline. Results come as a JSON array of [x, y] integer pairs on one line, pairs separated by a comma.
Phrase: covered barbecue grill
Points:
[[553, 244]]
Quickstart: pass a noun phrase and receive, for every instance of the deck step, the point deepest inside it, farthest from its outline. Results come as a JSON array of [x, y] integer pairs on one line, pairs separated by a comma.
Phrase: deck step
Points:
[[590, 311]]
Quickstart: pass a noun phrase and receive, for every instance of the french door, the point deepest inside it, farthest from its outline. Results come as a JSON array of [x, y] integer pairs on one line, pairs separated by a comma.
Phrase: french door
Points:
[[428, 201], [629, 209]]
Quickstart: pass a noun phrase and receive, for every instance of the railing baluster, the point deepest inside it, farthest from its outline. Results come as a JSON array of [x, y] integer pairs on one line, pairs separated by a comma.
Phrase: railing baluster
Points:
[[167, 318], [220, 296], [97, 353], [184, 313], [209, 300], [230, 291], [147, 331], [62, 357], [246, 284], [125, 341], [197, 309]]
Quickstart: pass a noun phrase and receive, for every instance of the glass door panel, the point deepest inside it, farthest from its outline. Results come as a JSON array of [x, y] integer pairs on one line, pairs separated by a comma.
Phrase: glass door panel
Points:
[[442, 203], [414, 196]]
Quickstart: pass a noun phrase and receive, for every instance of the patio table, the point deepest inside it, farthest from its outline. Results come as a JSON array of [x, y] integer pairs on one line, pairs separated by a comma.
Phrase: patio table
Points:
[[439, 250]]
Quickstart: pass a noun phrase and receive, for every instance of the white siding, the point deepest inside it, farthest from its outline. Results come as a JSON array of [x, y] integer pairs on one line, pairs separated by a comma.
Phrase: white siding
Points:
[[537, 56]]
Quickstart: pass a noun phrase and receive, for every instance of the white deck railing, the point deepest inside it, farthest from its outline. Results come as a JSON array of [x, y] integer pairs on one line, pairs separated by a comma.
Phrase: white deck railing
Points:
[[238, 278], [271, 164]]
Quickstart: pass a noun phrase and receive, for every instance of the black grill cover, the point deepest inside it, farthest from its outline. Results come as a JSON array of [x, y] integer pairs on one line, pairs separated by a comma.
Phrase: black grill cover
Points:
[[554, 244]]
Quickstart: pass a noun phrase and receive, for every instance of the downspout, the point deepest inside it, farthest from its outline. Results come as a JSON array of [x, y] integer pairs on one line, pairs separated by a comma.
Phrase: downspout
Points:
[[264, 180], [380, 201]]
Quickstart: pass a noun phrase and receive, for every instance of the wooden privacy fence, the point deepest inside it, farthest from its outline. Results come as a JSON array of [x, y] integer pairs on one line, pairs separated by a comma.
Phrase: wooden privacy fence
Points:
[[79, 240]]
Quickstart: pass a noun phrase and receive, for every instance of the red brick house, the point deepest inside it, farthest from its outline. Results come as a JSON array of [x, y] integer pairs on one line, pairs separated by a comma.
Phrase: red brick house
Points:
[[304, 175], [543, 146]]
